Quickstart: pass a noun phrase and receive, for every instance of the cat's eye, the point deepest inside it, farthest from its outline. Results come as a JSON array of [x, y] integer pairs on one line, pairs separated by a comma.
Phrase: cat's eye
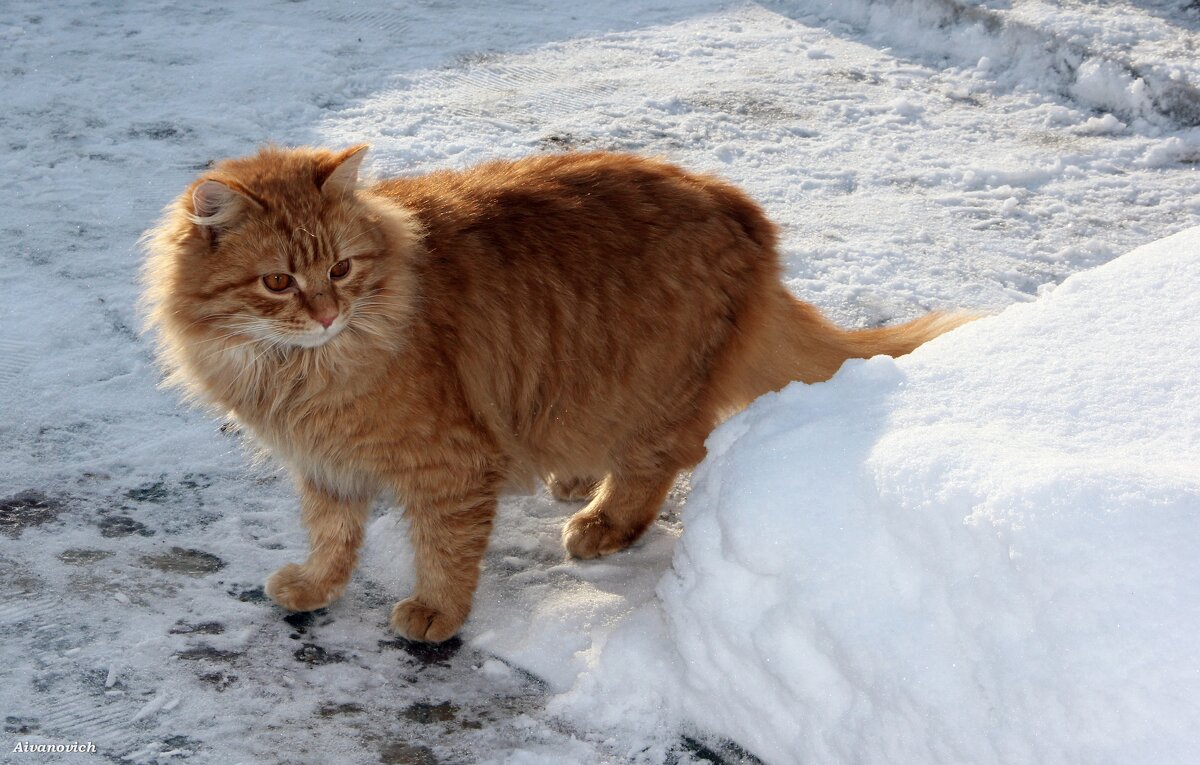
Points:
[[340, 269], [277, 282]]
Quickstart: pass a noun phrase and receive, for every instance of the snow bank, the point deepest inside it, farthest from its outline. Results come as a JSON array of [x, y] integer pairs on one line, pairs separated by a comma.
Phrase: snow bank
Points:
[[1109, 58], [984, 552]]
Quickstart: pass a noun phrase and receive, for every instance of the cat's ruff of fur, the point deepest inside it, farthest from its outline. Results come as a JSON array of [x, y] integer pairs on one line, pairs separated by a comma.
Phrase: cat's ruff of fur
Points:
[[587, 318]]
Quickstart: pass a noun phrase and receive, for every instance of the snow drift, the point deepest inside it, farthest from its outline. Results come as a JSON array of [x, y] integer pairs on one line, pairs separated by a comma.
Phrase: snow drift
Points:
[[983, 552]]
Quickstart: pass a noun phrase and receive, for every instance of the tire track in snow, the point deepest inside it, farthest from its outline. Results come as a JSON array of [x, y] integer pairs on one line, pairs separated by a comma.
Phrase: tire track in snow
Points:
[[23, 610], [15, 355], [107, 724], [384, 20], [499, 89]]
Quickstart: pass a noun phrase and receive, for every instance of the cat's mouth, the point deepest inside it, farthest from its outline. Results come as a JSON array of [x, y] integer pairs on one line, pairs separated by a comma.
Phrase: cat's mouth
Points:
[[315, 338]]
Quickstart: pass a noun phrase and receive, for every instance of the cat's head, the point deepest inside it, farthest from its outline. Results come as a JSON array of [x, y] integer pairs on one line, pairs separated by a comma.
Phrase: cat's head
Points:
[[277, 251]]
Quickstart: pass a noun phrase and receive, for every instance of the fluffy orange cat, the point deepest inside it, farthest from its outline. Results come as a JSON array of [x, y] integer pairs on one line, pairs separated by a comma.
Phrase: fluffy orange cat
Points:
[[587, 318]]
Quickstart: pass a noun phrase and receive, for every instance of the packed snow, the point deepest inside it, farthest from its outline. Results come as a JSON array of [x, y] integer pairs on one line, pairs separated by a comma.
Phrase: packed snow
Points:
[[981, 552]]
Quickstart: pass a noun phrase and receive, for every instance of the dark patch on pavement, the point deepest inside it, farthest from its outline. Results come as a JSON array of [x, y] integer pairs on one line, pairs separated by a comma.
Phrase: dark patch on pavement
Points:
[[426, 653], [328, 710], [122, 526], [722, 753], [253, 594], [181, 560], [427, 714], [314, 655], [400, 753], [303, 621], [218, 680], [79, 556], [196, 653], [27, 509], [203, 628]]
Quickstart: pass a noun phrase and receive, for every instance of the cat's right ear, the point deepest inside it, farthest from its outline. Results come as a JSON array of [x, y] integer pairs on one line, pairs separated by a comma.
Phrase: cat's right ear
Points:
[[217, 206]]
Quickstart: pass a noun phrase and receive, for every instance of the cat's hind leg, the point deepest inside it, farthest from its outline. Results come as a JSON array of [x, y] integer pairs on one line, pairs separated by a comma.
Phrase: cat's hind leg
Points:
[[572, 488], [627, 501], [622, 507], [335, 532]]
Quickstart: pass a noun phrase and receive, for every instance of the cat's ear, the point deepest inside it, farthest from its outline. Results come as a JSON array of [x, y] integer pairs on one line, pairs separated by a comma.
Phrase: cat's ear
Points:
[[340, 172], [217, 206]]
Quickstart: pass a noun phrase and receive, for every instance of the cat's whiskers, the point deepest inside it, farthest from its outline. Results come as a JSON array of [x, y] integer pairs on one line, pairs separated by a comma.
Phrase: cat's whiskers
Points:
[[228, 349], [368, 303], [367, 322], [365, 331], [260, 332], [253, 365], [211, 317], [231, 333], [245, 326], [368, 309], [364, 304]]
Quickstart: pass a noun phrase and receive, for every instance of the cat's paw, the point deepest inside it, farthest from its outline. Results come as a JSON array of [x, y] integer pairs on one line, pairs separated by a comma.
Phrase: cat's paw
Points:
[[296, 589], [590, 535], [417, 621]]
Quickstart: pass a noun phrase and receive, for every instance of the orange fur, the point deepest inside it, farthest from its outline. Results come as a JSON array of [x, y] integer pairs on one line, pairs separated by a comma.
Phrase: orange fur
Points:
[[588, 318]]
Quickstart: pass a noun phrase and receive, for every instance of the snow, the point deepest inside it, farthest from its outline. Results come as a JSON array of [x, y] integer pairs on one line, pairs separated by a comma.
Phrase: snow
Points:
[[918, 154], [983, 552]]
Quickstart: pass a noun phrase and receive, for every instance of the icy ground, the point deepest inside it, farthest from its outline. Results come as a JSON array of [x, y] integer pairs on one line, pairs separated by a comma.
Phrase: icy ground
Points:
[[918, 153]]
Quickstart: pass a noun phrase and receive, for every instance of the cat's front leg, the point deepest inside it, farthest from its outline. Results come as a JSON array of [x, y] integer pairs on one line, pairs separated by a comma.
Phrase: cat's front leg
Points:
[[335, 532], [449, 535]]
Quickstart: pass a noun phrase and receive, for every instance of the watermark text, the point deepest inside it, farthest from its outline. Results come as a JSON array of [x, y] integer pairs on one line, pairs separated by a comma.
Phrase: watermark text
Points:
[[25, 747]]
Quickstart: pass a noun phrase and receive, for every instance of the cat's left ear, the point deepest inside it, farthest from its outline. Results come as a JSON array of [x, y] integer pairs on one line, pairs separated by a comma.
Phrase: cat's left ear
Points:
[[340, 172]]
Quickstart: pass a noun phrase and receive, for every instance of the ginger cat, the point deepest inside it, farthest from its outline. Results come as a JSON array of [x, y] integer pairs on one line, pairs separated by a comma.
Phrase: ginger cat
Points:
[[587, 318]]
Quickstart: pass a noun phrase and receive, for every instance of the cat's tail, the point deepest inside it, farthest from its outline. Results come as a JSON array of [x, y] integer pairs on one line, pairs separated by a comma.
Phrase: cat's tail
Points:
[[783, 340], [900, 339]]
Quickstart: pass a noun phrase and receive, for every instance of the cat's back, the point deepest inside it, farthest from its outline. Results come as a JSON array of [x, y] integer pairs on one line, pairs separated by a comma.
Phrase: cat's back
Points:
[[557, 204], [564, 244]]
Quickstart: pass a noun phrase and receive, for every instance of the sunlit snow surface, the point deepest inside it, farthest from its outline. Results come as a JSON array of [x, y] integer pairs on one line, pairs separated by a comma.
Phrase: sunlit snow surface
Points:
[[979, 553], [984, 552]]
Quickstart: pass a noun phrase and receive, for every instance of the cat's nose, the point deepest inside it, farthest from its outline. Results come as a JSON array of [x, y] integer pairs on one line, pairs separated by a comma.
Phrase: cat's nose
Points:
[[326, 319]]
